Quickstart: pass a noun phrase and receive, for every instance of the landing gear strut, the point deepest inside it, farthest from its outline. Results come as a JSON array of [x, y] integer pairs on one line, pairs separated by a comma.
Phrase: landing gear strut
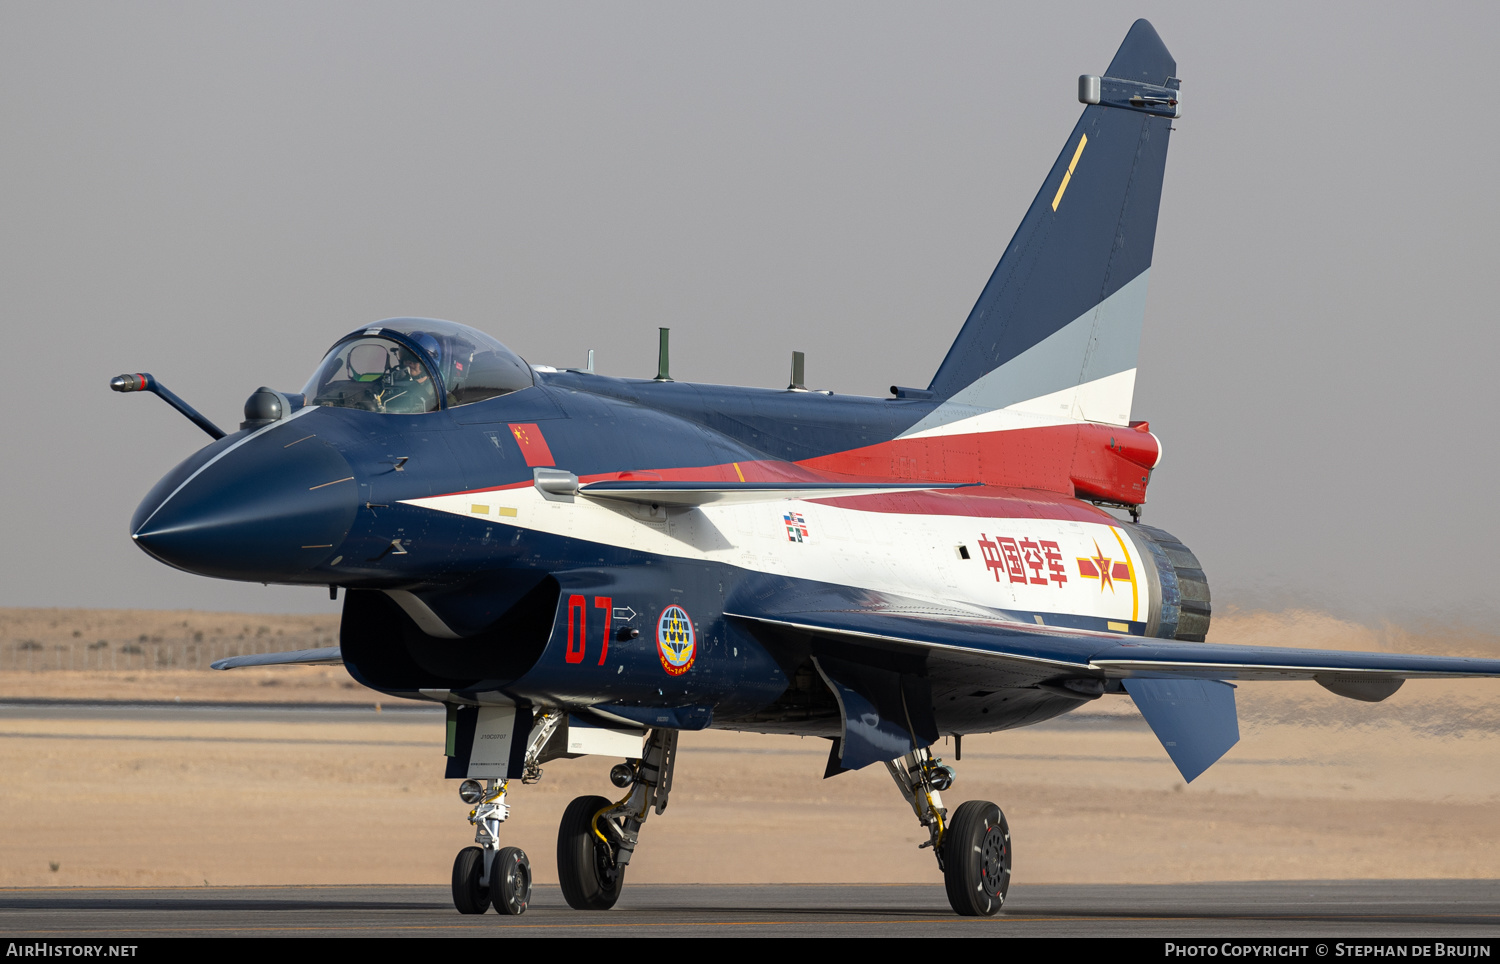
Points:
[[491, 875], [972, 849], [596, 838]]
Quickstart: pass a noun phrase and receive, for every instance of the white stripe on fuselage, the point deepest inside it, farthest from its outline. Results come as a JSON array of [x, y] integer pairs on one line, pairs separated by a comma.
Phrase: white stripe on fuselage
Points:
[[909, 555]]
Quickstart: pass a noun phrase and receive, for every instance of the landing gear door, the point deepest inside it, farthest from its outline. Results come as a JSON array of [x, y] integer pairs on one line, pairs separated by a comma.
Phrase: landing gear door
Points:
[[584, 736], [487, 742]]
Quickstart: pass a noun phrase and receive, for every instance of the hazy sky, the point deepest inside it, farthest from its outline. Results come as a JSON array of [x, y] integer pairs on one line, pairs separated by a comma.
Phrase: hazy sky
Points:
[[215, 192]]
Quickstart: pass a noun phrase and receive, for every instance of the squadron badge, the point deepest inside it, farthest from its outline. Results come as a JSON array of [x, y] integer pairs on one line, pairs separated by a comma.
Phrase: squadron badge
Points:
[[675, 640]]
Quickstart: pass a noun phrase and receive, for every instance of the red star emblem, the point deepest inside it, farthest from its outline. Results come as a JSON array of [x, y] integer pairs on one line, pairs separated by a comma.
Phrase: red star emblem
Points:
[[1101, 562]]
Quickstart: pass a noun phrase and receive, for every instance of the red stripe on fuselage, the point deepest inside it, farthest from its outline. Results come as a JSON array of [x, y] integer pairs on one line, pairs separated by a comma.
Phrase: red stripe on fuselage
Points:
[[1081, 458], [1041, 473]]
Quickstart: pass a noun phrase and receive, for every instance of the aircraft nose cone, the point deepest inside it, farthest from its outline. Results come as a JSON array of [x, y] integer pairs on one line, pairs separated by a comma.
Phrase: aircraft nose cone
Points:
[[265, 510]]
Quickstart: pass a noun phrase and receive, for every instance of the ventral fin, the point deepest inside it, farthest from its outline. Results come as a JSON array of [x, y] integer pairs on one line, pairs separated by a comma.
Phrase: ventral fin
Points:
[[1194, 719]]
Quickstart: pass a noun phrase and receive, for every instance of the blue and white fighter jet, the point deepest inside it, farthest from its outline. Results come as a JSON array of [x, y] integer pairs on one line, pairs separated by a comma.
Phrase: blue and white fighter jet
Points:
[[580, 564]]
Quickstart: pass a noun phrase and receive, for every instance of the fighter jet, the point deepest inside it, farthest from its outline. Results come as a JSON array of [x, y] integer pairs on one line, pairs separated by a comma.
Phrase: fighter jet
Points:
[[573, 563]]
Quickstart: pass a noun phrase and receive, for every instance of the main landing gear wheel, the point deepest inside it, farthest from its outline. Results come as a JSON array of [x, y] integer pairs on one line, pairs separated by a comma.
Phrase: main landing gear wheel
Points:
[[469, 896], [976, 859], [510, 881], [585, 864]]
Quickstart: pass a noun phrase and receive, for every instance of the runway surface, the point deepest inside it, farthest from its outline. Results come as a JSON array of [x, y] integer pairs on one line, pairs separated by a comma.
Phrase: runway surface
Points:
[[1093, 807], [1459, 910]]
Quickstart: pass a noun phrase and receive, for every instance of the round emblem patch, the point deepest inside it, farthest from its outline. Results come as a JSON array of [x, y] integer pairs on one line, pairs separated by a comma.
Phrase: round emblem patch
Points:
[[675, 641]]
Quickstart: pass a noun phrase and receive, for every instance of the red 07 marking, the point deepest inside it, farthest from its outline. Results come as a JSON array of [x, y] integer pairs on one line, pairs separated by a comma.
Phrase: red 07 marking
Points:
[[578, 627]]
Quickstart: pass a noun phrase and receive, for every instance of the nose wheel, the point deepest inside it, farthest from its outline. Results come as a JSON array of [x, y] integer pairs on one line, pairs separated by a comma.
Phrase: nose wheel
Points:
[[510, 882], [507, 886], [469, 895]]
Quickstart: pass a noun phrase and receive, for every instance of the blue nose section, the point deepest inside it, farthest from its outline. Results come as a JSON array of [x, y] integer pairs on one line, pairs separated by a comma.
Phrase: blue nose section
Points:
[[266, 510]]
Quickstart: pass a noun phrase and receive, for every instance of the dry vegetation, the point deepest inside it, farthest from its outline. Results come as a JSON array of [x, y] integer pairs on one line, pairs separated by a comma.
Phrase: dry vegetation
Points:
[[135, 639]]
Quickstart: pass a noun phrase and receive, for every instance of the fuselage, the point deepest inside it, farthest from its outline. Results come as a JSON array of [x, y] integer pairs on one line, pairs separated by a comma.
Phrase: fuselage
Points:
[[435, 521]]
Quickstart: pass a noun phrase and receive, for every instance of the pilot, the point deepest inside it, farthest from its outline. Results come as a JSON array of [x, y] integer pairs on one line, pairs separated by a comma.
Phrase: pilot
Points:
[[411, 388]]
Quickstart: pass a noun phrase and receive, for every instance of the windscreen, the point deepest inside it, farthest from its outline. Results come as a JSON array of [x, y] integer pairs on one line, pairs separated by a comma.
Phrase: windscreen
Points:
[[374, 375], [378, 374], [472, 365]]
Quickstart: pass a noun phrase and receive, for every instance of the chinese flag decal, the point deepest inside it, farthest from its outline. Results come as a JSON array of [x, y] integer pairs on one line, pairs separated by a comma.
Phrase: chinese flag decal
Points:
[[533, 447]]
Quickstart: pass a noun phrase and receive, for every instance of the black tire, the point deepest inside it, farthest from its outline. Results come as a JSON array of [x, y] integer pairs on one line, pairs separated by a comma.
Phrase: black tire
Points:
[[585, 866], [469, 896], [976, 859], [510, 882]]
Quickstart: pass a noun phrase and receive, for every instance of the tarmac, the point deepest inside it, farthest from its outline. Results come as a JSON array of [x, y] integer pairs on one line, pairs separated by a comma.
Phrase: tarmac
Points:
[[1455, 911], [178, 802]]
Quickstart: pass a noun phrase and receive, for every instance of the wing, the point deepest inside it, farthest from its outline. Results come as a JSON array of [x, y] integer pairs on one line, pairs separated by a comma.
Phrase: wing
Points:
[[326, 656], [858, 641], [1104, 656]]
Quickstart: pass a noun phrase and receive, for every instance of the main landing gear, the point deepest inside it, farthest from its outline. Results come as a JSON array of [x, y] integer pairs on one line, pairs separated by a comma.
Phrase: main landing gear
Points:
[[596, 838], [490, 875], [972, 849]]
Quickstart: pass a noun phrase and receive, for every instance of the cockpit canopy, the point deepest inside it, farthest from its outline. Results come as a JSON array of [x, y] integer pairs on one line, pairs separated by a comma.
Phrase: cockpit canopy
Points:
[[414, 365]]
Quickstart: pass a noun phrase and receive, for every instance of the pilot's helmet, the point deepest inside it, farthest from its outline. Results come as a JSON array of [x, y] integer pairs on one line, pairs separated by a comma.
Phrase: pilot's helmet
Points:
[[431, 346]]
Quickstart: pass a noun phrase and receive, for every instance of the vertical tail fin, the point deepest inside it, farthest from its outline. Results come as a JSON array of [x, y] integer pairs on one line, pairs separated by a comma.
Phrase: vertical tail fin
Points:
[[1056, 330]]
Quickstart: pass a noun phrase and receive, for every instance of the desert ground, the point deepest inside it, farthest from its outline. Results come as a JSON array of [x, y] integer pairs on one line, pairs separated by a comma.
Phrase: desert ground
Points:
[[1319, 787]]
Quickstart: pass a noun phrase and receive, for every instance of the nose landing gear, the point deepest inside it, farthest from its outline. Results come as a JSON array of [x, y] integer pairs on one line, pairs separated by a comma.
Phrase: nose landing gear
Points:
[[490, 874], [972, 849]]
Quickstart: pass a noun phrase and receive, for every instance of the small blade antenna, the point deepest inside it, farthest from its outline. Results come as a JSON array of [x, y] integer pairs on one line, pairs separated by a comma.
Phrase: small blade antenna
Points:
[[798, 360], [663, 360]]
